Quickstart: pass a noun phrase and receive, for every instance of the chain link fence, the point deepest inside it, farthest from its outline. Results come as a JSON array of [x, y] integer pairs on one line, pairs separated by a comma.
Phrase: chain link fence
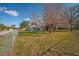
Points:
[[7, 42]]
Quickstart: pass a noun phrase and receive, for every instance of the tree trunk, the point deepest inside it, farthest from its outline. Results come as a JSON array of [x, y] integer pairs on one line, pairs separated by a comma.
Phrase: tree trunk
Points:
[[56, 28], [71, 28], [46, 28]]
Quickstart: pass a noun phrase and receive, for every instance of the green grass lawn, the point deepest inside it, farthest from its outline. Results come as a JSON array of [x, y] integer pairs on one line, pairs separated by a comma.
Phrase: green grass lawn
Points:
[[33, 43], [24, 33]]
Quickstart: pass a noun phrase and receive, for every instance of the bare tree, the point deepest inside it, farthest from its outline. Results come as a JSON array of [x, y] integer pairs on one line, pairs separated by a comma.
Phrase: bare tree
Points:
[[51, 15], [36, 23], [71, 14]]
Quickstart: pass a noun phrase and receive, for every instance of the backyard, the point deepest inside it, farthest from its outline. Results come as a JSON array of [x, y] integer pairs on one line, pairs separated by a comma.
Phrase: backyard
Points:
[[45, 43], [39, 29]]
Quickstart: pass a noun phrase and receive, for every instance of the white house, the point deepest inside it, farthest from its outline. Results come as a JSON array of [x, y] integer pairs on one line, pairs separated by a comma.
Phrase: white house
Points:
[[36, 25]]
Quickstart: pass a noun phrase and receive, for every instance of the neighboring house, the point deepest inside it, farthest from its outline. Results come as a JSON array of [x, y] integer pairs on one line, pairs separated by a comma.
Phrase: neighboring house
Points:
[[36, 25]]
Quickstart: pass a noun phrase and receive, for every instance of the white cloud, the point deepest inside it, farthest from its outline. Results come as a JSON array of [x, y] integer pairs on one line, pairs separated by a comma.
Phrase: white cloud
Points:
[[27, 19], [1, 9], [11, 12], [4, 8]]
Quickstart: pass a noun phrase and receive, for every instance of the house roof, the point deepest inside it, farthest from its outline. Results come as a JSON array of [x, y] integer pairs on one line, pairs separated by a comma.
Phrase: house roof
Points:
[[36, 23]]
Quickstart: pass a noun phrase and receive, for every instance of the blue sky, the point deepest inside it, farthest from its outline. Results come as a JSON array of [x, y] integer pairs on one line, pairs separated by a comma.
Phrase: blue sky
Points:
[[14, 13]]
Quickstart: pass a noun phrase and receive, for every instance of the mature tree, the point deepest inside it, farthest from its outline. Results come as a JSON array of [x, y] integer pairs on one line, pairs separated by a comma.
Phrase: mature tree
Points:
[[13, 26], [36, 23], [51, 15], [71, 14], [24, 25], [77, 21], [2, 27]]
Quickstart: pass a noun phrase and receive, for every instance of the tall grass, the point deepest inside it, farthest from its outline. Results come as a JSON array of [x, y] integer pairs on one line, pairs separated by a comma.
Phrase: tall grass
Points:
[[34, 43]]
